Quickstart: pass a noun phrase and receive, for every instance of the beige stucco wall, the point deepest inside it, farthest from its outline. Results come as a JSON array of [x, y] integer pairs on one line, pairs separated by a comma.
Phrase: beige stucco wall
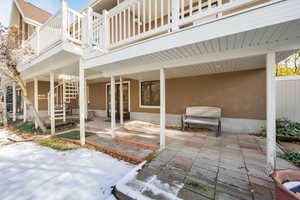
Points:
[[239, 94], [97, 97], [43, 88]]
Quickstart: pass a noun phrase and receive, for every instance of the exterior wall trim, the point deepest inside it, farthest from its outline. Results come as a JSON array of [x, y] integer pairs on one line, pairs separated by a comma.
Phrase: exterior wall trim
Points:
[[232, 125]]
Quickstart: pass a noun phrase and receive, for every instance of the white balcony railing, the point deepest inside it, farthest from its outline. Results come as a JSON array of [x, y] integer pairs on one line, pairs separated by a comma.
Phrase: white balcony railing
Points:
[[135, 20], [129, 22], [66, 24]]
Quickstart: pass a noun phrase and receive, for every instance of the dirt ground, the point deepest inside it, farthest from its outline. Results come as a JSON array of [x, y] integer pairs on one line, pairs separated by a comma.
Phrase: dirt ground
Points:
[[290, 147]]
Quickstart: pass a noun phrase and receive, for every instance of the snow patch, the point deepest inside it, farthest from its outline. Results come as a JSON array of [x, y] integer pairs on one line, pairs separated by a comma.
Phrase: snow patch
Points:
[[5, 136], [30, 171], [135, 188]]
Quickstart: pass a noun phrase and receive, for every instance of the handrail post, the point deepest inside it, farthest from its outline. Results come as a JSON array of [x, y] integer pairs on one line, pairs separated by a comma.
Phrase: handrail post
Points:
[[175, 15], [89, 27], [105, 31], [64, 10], [37, 40]]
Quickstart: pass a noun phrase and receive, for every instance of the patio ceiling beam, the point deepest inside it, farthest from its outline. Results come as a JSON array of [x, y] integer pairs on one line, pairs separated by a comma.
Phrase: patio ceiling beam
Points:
[[271, 111]]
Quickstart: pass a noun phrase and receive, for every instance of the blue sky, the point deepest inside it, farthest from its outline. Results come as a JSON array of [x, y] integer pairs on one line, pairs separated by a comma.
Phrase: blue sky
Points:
[[49, 5]]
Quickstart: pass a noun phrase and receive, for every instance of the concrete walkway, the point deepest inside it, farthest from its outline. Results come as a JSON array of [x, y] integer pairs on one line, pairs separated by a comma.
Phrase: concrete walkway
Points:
[[204, 167]]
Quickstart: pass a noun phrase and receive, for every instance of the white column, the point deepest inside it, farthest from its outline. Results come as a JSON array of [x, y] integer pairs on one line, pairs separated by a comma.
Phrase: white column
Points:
[[113, 106], [271, 111], [64, 9], [38, 40], [82, 100], [52, 109], [14, 101], [64, 100], [24, 111], [162, 109], [86, 99], [121, 102], [36, 98]]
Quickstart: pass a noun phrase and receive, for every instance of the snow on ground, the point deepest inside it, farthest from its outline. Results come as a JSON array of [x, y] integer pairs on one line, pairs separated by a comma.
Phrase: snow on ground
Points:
[[4, 135], [29, 171]]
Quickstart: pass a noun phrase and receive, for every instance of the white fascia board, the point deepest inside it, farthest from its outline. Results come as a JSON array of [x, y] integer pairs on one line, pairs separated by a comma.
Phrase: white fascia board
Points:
[[272, 13], [51, 52]]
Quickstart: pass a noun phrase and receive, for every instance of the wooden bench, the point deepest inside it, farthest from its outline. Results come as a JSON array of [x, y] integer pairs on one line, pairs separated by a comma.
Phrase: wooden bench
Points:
[[202, 115]]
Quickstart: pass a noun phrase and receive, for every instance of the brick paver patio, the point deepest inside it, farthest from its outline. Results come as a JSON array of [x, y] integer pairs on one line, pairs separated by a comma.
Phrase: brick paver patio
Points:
[[228, 167]]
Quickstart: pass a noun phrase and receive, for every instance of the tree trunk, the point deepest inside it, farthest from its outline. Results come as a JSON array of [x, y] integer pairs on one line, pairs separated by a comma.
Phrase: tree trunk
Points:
[[35, 114], [29, 104], [3, 105]]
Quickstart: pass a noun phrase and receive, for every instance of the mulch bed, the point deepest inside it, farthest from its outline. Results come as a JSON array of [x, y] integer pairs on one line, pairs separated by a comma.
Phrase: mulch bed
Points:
[[107, 150]]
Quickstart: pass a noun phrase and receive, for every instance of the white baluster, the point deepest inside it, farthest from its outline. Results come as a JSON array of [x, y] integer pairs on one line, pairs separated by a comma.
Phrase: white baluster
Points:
[[139, 17], [175, 15], [150, 17], [144, 16], [133, 20], [155, 14], [161, 12]]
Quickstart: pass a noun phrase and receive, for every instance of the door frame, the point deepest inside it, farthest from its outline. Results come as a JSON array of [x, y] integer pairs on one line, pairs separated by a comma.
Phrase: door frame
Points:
[[106, 96]]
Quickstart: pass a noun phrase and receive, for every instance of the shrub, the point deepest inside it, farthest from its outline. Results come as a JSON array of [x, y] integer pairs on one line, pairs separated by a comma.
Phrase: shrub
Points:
[[293, 157], [288, 128], [283, 127]]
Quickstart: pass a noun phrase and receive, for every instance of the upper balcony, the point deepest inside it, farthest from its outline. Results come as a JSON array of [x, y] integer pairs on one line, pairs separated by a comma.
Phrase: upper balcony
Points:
[[130, 22]]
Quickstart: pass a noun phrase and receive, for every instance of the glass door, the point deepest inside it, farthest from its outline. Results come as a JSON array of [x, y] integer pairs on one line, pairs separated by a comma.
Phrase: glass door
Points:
[[117, 96]]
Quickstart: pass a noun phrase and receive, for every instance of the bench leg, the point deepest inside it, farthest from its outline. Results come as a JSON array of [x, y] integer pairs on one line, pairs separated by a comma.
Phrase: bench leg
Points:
[[219, 129]]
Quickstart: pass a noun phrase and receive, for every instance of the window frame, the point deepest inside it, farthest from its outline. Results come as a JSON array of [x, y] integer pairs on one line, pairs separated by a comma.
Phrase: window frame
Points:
[[140, 96]]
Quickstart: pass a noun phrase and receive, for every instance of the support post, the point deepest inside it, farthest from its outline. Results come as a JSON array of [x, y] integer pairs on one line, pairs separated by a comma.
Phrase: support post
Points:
[[14, 101], [52, 99], [162, 109], [64, 100], [38, 40], [271, 111], [86, 99], [36, 98], [64, 10], [82, 101], [113, 106], [175, 15], [24, 111], [121, 102], [88, 30]]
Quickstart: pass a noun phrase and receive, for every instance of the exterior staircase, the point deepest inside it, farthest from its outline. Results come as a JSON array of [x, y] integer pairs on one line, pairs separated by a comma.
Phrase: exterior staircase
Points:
[[66, 91]]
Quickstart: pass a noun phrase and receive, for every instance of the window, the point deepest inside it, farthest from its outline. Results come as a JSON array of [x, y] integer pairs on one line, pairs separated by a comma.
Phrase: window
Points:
[[149, 94]]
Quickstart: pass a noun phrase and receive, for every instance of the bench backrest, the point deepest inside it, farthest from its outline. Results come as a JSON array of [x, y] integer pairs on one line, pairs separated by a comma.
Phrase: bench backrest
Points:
[[203, 111]]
